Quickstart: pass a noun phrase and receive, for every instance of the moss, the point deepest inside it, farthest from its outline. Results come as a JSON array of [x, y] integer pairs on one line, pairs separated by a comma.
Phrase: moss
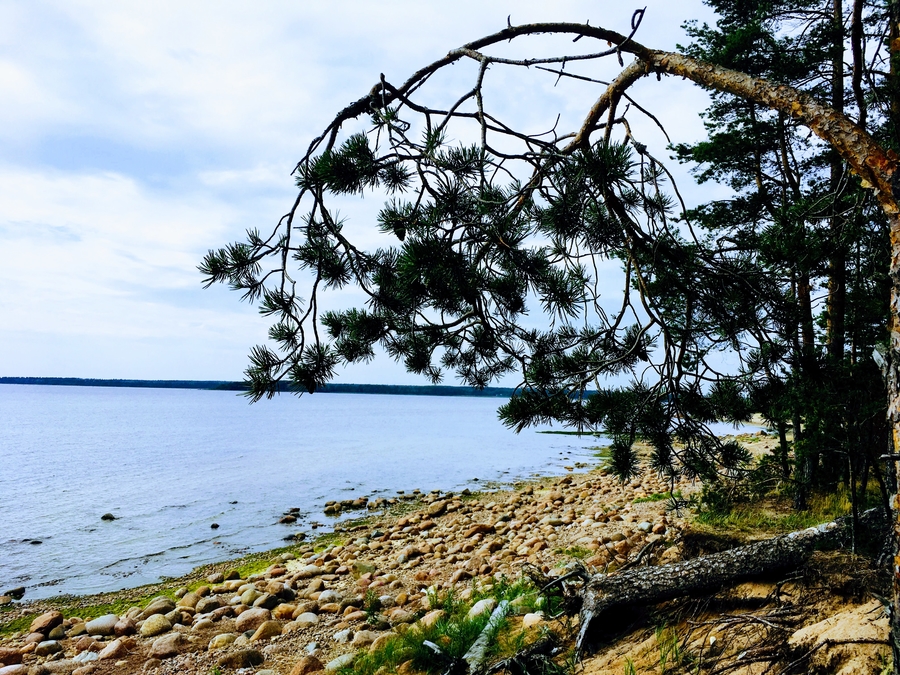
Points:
[[17, 625]]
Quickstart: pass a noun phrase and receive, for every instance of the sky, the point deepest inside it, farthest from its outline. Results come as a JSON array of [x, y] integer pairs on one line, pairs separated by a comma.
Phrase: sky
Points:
[[136, 136]]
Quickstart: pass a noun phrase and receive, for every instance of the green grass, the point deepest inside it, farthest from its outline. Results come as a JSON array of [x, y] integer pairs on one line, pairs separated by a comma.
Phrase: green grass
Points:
[[454, 633], [777, 516], [578, 552], [657, 497]]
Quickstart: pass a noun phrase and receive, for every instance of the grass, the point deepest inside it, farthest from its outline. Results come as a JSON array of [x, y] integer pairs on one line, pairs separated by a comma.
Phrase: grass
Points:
[[433, 649], [658, 497], [578, 552], [775, 515]]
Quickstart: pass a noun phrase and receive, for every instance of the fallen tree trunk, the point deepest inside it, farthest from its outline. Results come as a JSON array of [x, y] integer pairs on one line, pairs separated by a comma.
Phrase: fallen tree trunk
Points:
[[604, 594]]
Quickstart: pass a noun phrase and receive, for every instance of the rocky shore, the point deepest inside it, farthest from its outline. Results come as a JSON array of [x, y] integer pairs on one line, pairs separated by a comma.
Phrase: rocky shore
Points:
[[313, 605]]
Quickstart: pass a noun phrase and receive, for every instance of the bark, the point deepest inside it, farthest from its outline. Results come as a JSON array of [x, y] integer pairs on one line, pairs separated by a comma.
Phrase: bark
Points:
[[605, 596]]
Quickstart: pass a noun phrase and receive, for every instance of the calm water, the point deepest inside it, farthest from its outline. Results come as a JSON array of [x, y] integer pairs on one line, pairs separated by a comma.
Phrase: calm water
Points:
[[168, 463]]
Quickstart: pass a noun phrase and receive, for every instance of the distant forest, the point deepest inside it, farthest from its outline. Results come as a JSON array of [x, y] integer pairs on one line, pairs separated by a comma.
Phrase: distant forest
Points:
[[332, 388]]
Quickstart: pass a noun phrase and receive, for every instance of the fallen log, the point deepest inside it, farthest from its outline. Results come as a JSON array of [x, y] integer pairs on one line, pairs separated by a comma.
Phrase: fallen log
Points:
[[604, 596]]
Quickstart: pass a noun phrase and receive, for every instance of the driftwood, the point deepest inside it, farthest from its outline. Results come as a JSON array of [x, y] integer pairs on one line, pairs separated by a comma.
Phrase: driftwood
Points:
[[605, 596]]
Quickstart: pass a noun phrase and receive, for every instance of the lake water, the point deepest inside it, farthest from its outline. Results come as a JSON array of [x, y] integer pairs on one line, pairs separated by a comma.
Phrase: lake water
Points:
[[170, 462]]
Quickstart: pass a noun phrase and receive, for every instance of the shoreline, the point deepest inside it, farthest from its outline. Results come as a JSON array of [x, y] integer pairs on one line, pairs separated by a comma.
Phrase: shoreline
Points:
[[313, 597], [444, 540]]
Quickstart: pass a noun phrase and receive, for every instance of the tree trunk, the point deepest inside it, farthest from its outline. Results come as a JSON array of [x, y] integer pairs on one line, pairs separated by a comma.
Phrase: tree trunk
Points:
[[605, 596]]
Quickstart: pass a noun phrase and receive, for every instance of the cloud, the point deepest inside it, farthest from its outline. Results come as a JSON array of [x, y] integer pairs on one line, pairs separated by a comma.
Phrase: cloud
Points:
[[135, 136]]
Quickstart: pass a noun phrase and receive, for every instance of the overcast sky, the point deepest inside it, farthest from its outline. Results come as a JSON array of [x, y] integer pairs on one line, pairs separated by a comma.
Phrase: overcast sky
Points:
[[135, 136]]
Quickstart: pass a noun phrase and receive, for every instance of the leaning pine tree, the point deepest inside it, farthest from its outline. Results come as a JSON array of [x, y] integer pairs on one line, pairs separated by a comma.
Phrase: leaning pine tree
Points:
[[513, 225]]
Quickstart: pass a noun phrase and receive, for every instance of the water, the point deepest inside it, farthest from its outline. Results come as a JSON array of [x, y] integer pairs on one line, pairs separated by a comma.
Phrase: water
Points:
[[170, 462]]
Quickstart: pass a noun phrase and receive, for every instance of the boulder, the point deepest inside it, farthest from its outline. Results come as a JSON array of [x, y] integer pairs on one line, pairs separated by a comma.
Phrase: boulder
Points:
[[103, 625], [252, 619], [156, 624], [168, 645], [160, 605], [46, 622]]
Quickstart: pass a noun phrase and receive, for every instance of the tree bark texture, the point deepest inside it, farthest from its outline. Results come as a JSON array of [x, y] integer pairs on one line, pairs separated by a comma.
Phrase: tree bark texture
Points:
[[604, 596]]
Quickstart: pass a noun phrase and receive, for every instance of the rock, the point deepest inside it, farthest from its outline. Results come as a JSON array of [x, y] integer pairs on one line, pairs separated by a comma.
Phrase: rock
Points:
[[17, 669], [532, 619], [47, 648], [168, 645], [250, 596], [307, 619], [160, 605], [481, 607], [207, 605], [267, 629], [86, 657], [329, 596], [266, 600], [437, 508], [343, 636], [431, 618], [244, 658], [46, 622], [340, 662], [78, 629], [5, 600], [216, 578], [114, 650], [107, 516], [10, 656], [460, 575], [659, 528], [189, 600], [308, 571], [284, 611], [149, 665], [156, 624], [221, 641], [252, 619], [364, 638], [645, 526], [307, 664], [57, 633], [202, 624], [124, 626], [104, 625], [15, 593], [381, 641]]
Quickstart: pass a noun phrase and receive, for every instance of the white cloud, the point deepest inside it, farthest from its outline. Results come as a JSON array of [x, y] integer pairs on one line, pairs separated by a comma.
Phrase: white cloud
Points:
[[135, 136]]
